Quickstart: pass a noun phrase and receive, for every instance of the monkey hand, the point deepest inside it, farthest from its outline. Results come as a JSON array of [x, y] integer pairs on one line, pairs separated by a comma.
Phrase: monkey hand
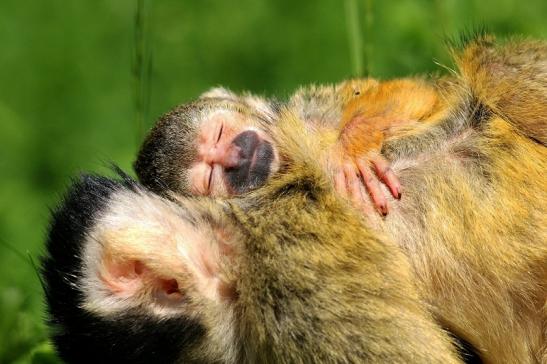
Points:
[[354, 177]]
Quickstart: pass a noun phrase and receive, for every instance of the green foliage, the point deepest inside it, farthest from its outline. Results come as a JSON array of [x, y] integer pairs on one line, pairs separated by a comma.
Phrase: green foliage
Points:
[[80, 79]]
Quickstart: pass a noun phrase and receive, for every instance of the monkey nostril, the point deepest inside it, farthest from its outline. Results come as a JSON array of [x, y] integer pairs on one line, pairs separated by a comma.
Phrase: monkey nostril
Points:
[[167, 291], [170, 286]]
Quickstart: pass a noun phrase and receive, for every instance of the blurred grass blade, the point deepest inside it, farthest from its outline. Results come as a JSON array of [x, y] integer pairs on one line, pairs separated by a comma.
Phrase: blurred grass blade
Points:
[[360, 50], [354, 37], [13, 249], [368, 36], [36, 270], [142, 66]]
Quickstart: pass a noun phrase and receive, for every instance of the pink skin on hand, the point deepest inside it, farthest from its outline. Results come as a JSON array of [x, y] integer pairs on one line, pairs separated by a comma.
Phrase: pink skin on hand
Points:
[[355, 178], [386, 174]]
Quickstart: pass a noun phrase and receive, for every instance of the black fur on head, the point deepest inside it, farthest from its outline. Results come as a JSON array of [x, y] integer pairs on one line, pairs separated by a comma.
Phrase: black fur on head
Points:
[[169, 149], [84, 337]]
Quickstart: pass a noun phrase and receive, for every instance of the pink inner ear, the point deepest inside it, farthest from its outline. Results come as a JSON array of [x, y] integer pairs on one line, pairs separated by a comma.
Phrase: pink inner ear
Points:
[[125, 278]]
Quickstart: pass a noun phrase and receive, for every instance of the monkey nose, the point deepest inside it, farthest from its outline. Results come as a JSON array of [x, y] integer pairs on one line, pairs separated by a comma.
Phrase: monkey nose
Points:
[[232, 157], [226, 157]]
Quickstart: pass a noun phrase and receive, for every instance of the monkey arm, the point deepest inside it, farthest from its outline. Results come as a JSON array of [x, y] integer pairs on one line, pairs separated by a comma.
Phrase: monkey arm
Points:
[[372, 112], [348, 147]]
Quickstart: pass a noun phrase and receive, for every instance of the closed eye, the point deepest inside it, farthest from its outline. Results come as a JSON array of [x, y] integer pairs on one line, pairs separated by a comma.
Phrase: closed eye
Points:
[[210, 180], [220, 132]]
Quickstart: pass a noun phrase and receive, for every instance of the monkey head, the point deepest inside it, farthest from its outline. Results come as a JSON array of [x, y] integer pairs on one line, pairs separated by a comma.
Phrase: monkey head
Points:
[[217, 145], [283, 275], [131, 277]]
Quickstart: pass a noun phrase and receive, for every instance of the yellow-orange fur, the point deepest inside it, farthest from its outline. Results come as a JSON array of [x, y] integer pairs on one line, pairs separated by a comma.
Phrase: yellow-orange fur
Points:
[[375, 110], [477, 239], [510, 80], [470, 153]]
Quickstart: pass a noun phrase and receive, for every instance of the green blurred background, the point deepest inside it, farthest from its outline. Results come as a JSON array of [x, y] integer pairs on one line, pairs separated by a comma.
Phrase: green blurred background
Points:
[[80, 82]]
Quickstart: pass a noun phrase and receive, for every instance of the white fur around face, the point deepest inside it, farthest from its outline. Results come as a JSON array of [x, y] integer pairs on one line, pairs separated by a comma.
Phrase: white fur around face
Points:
[[146, 225], [219, 92], [146, 228]]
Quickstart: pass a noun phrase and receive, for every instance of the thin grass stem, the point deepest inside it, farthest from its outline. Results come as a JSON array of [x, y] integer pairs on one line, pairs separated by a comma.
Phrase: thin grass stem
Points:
[[369, 19], [142, 66], [354, 37]]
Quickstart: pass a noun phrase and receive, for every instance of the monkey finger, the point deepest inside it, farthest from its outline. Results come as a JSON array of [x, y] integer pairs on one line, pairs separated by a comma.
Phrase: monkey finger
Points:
[[373, 187], [386, 174], [352, 181], [366, 206]]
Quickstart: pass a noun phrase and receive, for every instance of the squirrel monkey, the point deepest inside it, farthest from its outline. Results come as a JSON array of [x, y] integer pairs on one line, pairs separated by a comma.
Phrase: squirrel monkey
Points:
[[479, 252], [130, 275], [219, 145]]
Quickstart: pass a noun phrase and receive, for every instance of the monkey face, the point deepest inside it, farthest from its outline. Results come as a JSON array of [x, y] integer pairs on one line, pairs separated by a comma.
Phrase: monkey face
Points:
[[217, 145], [232, 156]]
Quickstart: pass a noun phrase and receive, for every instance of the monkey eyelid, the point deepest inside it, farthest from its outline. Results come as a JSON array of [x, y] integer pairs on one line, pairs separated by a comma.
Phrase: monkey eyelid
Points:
[[210, 179], [220, 132]]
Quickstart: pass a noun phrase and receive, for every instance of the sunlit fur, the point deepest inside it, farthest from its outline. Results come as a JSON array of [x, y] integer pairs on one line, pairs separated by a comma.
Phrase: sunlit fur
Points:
[[473, 223], [311, 283], [471, 157], [329, 289], [465, 248], [474, 215], [510, 80], [474, 211]]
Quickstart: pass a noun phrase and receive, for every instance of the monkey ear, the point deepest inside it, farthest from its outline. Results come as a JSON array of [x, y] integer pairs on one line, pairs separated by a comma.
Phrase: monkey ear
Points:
[[219, 93], [147, 248], [126, 278]]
